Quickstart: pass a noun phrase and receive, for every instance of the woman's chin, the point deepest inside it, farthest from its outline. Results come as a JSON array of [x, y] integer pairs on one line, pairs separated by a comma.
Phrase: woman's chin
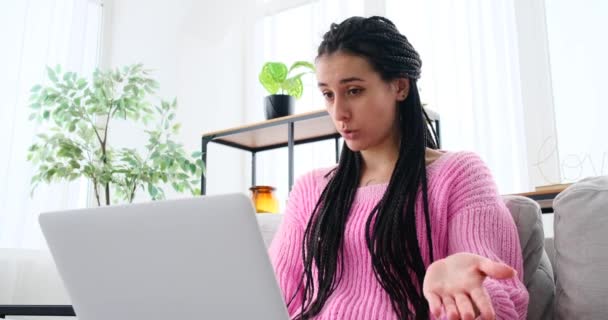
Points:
[[354, 146]]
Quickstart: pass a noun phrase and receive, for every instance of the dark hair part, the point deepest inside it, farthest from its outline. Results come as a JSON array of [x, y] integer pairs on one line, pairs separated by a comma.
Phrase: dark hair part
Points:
[[391, 227]]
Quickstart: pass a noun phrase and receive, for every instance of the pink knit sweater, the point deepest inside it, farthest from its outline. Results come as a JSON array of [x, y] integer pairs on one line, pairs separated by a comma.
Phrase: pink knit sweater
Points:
[[466, 214]]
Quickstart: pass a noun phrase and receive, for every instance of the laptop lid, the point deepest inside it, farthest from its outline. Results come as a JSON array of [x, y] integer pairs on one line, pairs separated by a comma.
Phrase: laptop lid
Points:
[[199, 258]]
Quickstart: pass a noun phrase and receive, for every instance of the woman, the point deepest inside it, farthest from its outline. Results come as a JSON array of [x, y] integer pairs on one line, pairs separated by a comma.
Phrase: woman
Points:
[[398, 229]]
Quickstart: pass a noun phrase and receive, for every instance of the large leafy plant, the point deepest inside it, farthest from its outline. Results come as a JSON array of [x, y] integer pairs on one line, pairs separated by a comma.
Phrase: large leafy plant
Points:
[[275, 77], [78, 115]]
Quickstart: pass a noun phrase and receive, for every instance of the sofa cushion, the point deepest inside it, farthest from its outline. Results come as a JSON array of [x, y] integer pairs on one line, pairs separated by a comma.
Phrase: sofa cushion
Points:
[[581, 250], [538, 273]]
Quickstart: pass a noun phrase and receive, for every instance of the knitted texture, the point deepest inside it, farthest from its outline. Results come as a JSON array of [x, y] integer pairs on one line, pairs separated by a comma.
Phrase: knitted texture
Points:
[[467, 215]]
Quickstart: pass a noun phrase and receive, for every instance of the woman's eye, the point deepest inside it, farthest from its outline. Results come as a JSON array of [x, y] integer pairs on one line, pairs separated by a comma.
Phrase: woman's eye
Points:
[[354, 91], [328, 95]]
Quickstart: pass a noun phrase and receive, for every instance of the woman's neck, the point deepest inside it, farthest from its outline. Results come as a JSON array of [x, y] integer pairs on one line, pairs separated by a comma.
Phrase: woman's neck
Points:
[[379, 163]]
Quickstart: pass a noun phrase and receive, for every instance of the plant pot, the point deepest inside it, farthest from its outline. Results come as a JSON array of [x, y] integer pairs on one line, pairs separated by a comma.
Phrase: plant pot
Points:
[[279, 105]]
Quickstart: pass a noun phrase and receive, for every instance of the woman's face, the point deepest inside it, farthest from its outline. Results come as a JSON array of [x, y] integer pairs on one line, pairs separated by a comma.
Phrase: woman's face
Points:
[[361, 104]]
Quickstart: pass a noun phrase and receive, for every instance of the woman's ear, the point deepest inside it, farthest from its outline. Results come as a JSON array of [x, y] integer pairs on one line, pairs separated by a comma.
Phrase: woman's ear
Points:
[[403, 88]]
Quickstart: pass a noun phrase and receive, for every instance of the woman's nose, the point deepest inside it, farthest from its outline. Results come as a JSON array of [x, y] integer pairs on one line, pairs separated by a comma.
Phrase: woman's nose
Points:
[[341, 109]]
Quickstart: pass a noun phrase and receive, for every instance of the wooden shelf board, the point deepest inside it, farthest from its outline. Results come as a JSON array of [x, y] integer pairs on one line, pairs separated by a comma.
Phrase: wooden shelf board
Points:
[[274, 132], [545, 190]]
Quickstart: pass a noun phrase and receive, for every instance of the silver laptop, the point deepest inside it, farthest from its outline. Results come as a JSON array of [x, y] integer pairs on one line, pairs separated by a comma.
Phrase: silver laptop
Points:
[[200, 258]]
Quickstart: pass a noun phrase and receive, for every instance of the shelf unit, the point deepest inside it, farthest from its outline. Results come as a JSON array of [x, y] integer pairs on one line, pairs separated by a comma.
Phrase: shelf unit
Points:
[[279, 133], [273, 134]]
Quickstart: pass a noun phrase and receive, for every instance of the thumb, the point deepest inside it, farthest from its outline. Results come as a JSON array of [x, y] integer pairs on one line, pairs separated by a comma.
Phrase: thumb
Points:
[[496, 270]]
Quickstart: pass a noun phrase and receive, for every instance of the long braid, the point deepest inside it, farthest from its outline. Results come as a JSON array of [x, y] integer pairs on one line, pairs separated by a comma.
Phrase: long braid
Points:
[[391, 227]]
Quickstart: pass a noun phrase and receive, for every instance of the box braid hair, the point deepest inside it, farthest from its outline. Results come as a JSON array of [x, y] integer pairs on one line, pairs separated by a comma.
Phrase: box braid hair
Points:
[[391, 226]]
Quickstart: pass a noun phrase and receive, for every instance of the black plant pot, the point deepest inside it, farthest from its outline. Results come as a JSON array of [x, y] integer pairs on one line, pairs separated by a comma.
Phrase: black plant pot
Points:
[[279, 105]]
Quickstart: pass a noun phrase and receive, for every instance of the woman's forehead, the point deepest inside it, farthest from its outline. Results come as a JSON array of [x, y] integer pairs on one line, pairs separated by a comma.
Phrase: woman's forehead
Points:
[[337, 66]]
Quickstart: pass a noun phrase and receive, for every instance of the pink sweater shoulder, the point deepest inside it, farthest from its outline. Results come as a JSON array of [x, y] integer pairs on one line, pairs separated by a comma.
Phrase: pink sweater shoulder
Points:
[[467, 215]]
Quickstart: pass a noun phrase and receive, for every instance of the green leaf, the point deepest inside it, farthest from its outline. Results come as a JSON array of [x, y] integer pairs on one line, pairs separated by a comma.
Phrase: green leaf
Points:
[[201, 164], [294, 87], [36, 88], [81, 84], [74, 164], [153, 191], [272, 75], [50, 173], [304, 64], [51, 74]]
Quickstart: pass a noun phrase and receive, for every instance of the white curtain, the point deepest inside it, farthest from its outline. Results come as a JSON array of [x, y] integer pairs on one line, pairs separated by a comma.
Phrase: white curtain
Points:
[[578, 72], [470, 76], [34, 34]]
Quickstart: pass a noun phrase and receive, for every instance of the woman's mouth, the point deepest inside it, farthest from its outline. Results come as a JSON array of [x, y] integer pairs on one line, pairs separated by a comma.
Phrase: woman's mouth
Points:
[[349, 134]]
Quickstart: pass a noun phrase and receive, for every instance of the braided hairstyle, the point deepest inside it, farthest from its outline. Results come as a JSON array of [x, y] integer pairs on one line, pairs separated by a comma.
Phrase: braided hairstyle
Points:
[[391, 227]]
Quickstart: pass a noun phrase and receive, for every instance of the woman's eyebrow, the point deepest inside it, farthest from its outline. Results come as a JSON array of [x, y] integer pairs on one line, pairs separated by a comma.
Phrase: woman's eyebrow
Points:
[[343, 81]]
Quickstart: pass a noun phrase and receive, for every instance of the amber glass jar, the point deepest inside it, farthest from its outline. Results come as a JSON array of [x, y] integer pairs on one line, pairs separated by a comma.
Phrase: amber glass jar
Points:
[[264, 200]]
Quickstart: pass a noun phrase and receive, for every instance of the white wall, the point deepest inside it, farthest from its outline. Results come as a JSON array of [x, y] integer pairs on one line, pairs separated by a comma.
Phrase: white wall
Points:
[[197, 52]]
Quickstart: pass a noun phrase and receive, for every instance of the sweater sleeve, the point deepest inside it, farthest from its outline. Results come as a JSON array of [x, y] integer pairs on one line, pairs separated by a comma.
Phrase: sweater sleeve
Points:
[[285, 250], [480, 223]]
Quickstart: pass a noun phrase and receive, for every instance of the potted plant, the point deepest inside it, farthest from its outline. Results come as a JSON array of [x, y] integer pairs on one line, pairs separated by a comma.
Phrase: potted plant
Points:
[[79, 115], [283, 88]]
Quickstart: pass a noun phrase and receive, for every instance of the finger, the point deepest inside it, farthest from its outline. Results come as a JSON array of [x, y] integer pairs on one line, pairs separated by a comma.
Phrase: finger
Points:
[[450, 308], [496, 270], [482, 300], [465, 307], [434, 304]]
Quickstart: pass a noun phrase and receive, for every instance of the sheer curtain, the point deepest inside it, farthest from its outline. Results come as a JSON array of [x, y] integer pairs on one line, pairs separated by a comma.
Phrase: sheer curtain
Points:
[[34, 34], [579, 89], [470, 76]]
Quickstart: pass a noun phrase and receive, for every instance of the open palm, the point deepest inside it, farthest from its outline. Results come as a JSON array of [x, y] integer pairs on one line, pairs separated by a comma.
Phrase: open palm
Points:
[[455, 283]]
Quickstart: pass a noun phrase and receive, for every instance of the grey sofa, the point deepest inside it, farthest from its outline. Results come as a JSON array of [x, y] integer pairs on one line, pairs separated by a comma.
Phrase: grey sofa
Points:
[[566, 276]]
